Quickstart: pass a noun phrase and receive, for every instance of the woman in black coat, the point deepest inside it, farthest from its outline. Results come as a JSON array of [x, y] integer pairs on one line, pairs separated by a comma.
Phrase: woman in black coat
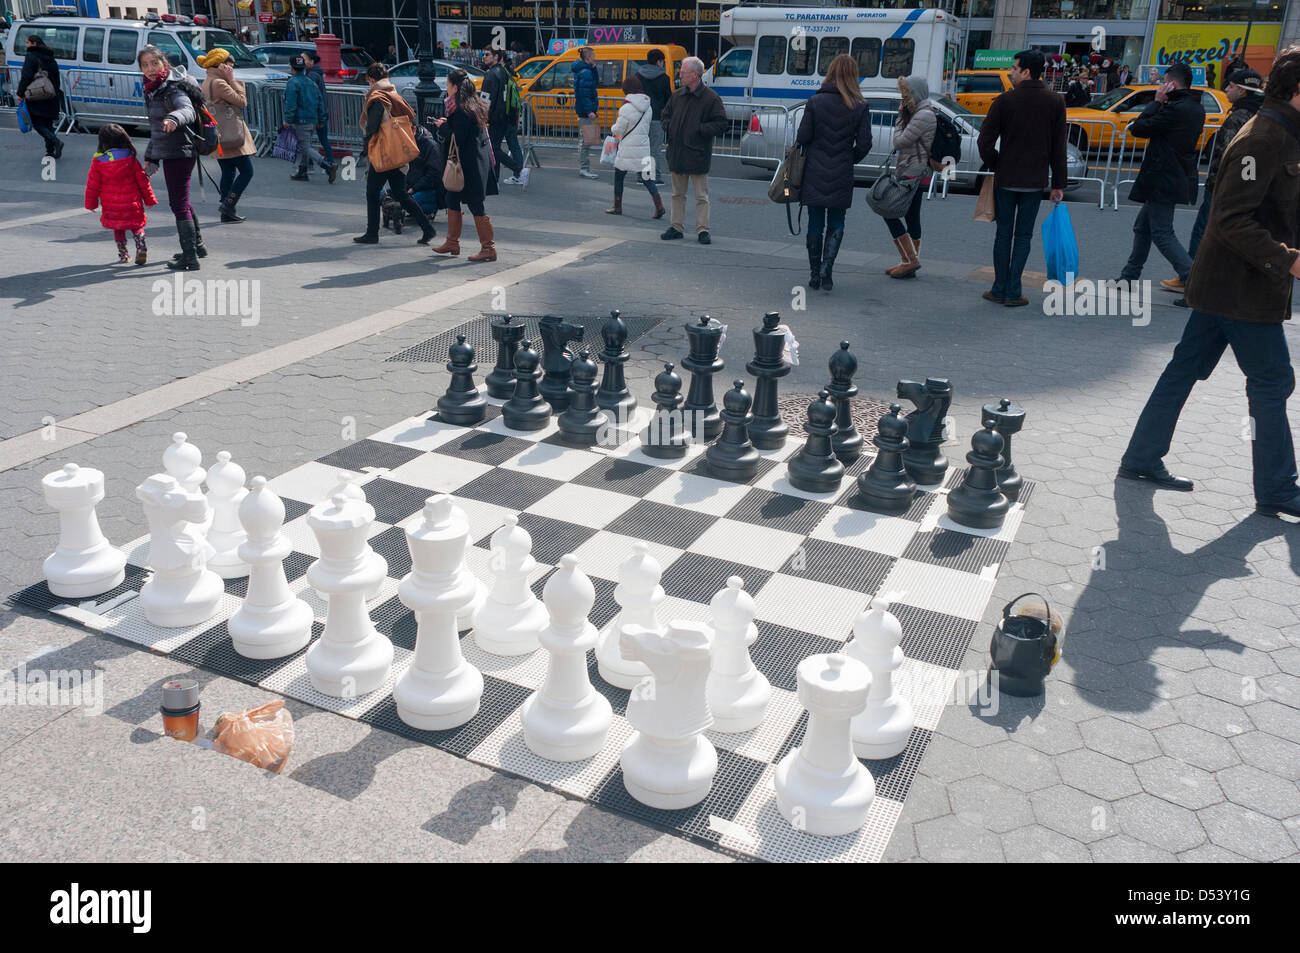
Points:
[[44, 112], [836, 135], [466, 122]]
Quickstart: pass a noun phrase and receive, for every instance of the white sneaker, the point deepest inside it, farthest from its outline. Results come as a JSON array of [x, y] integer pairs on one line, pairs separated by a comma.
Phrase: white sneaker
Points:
[[588, 174], [523, 176], [510, 180]]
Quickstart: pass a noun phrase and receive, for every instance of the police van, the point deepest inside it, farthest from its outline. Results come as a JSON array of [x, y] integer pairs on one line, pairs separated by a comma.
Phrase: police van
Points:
[[97, 59]]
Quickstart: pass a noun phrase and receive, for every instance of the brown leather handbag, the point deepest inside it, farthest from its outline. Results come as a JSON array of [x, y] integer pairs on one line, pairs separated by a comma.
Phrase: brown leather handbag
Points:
[[393, 146]]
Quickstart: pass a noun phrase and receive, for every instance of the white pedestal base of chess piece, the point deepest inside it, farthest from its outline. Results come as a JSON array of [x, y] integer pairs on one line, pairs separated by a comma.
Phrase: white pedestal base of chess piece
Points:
[[271, 622], [182, 591], [885, 727], [638, 595], [84, 563]]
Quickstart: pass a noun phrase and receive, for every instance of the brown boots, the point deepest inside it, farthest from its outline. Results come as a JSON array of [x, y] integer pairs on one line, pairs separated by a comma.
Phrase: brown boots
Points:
[[452, 244], [487, 250], [659, 206], [910, 254], [617, 208]]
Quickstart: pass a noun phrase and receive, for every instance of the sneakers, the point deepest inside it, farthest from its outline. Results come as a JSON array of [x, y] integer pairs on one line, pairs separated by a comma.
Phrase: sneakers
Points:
[[671, 234], [588, 174], [523, 177], [511, 180], [1172, 284]]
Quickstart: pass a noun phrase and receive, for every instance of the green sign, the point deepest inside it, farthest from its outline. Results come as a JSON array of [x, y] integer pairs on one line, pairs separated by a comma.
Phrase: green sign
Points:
[[995, 59]]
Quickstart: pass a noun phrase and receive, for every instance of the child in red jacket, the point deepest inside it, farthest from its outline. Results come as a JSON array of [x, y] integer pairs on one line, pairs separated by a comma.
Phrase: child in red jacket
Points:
[[118, 185]]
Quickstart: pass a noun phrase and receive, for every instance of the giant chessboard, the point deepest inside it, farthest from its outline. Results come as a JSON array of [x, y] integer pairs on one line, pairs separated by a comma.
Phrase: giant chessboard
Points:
[[811, 562]]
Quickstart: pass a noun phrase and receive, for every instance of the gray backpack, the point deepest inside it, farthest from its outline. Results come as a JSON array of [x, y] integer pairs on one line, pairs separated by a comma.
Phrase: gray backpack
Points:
[[40, 88]]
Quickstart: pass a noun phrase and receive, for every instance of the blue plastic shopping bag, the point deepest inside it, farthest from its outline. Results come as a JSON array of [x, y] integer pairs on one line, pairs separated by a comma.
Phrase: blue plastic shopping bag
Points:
[[1059, 247], [24, 118]]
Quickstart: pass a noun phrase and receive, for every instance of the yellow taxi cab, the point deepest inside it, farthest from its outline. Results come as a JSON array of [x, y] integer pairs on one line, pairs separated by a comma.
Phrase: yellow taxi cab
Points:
[[1102, 121], [550, 95], [527, 71], [977, 88]]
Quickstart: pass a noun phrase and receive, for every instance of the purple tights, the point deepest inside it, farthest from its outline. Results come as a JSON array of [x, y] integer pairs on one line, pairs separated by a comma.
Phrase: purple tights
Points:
[[177, 172]]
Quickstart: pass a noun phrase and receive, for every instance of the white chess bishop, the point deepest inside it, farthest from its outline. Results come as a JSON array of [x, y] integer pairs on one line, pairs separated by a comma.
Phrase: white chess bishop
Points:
[[738, 692], [885, 727], [349, 487], [439, 690], [821, 787], [512, 618], [182, 461], [351, 657], [83, 563], [566, 719], [182, 590], [638, 595], [271, 622], [225, 493], [668, 763]]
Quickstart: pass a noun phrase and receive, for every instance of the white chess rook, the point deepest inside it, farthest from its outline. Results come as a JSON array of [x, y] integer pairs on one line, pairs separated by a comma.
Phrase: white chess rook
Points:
[[182, 461], [638, 594], [225, 493], [885, 727], [668, 763], [83, 563], [271, 622], [821, 788], [440, 690], [738, 692], [349, 487], [351, 657], [566, 719], [510, 620], [182, 591]]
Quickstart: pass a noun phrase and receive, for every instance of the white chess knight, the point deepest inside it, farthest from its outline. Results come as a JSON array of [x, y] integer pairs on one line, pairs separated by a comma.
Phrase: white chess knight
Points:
[[738, 692], [668, 763], [511, 619], [351, 657], [271, 622], [566, 719], [638, 595], [182, 461], [182, 591], [350, 488], [225, 493], [439, 690], [883, 730], [83, 563], [821, 787]]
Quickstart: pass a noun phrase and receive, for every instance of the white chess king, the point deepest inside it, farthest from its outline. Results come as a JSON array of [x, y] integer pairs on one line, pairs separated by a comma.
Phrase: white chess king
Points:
[[638, 595], [182, 591], [84, 563], [885, 727]]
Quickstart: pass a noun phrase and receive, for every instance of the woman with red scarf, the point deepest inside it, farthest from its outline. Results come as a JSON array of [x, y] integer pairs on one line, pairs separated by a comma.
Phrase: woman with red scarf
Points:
[[171, 112]]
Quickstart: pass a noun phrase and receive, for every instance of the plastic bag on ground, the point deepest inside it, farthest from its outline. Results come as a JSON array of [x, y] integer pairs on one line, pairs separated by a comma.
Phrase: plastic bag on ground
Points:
[[1059, 246], [261, 736]]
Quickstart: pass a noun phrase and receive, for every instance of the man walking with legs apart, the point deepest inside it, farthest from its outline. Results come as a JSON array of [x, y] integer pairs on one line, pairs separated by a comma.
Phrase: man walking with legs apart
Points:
[[1030, 119], [585, 103], [1240, 293], [657, 85], [304, 110], [496, 86], [317, 76], [693, 116]]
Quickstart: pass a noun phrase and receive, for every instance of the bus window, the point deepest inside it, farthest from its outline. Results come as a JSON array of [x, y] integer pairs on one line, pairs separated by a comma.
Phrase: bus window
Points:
[[897, 57], [167, 43], [866, 50], [832, 46], [92, 45], [771, 54], [735, 64], [62, 40], [803, 55], [121, 47]]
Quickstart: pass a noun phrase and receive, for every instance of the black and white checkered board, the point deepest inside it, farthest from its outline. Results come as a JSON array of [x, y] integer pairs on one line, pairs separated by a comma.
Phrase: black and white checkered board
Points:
[[811, 561]]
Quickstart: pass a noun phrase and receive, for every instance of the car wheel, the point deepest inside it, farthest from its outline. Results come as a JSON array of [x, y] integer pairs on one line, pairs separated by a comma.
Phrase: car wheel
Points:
[[1078, 138]]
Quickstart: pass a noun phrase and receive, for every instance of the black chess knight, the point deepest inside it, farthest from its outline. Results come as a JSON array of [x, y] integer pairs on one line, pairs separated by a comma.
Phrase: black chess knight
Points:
[[924, 461], [462, 404], [501, 379], [557, 359]]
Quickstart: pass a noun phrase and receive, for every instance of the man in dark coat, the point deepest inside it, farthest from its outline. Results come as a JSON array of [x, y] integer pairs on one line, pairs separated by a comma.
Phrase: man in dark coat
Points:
[[1172, 127], [693, 116], [496, 85], [1240, 290], [658, 86], [585, 102], [44, 112]]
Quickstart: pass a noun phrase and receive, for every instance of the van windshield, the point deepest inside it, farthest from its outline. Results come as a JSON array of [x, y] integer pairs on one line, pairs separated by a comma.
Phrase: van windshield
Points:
[[204, 41]]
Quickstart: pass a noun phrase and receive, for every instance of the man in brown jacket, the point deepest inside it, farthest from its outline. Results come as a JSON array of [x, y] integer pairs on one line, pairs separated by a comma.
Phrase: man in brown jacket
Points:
[[693, 116], [1240, 290]]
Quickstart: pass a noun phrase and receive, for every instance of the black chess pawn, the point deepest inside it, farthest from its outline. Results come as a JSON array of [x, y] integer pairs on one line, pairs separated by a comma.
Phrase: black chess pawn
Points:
[[462, 404], [977, 502], [613, 394], [582, 422], [846, 441], [501, 379], [885, 485], [924, 460], [814, 468], [699, 411], [557, 360], [732, 456], [526, 410], [666, 437], [768, 431], [1008, 419]]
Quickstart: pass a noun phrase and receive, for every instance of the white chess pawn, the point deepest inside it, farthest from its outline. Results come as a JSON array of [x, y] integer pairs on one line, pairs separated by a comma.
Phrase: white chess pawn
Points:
[[84, 563], [182, 591], [668, 763], [271, 622], [566, 719], [884, 729], [638, 594], [821, 788], [182, 461], [738, 692], [439, 690], [348, 487], [351, 657], [225, 493], [511, 618]]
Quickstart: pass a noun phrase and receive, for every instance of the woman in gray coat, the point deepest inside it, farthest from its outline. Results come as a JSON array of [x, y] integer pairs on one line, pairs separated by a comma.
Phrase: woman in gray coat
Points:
[[913, 136], [171, 113]]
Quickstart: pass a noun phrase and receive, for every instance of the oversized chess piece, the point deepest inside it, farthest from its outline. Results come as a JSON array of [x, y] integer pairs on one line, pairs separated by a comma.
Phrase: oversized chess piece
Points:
[[732, 456], [351, 657], [885, 727], [613, 394], [526, 410], [700, 412], [440, 690], [566, 719], [814, 468], [557, 359], [738, 692], [821, 788], [846, 442], [768, 431], [668, 763], [271, 622], [886, 485], [665, 437], [638, 595], [924, 461], [582, 421], [349, 487], [181, 461], [511, 618], [1008, 419], [84, 563], [182, 591], [225, 493], [977, 502], [462, 404], [501, 379]]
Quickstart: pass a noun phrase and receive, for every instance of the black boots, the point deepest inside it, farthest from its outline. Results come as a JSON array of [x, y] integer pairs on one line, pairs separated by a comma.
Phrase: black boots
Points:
[[832, 249], [200, 249], [227, 208], [189, 259], [300, 175], [814, 244]]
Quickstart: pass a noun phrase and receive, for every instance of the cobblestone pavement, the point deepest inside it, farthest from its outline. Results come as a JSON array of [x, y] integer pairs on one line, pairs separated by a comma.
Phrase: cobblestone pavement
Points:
[[1170, 726]]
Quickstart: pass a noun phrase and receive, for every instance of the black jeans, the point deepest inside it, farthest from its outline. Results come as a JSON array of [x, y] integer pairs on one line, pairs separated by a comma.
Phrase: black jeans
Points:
[[395, 179], [621, 174], [45, 128], [236, 173], [911, 224], [1016, 213]]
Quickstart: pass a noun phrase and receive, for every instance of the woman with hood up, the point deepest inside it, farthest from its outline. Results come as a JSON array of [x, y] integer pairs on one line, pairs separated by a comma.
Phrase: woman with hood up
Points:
[[632, 127], [913, 135]]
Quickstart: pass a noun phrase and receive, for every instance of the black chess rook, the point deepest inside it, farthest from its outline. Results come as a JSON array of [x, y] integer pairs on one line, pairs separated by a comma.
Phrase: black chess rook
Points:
[[977, 502], [700, 412], [557, 359], [582, 422], [732, 456], [815, 467], [846, 442], [924, 460], [1008, 419], [768, 431], [462, 404], [526, 409], [613, 395], [507, 333], [885, 486], [666, 437]]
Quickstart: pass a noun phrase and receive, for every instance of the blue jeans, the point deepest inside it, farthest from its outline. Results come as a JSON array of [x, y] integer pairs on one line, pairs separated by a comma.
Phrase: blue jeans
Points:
[[1202, 219], [236, 173], [1016, 213], [1261, 353], [323, 134], [1155, 224], [513, 157], [820, 217]]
